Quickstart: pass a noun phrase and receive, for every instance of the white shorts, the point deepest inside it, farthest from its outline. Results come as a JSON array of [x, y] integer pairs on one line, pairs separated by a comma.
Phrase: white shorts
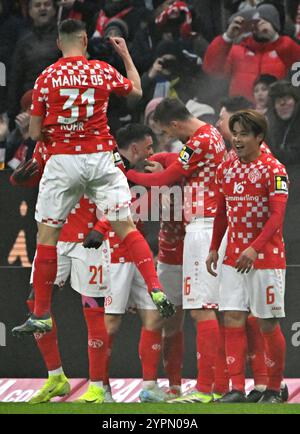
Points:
[[67, 177], [200, 289], [128, 288], [88, 269], [259, 291], [170, 276]]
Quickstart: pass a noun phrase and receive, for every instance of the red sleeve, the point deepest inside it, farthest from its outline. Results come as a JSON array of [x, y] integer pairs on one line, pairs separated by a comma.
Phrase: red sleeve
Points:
[[277, 211], [287, 49], [103, 226], [172, 174], [164, 158], [38, 106], [216, 56], [220, 223], [120, 85]]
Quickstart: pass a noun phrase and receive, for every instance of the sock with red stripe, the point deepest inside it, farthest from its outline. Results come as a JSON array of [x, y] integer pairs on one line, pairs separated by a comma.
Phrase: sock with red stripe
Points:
[[98, 347], [48, 344], [275, 356], [45, 269], [221, 373], [142, 257], [256, 351], [173, 348], [207, 342], [149, 353], [236, 351]]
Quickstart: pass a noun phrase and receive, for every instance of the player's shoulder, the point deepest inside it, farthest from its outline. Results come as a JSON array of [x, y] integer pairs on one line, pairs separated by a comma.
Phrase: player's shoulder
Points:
[[272, 164], [225, 166]]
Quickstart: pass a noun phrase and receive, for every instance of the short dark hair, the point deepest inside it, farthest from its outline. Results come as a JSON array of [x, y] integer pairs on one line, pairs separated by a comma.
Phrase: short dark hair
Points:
[[266, 79], [69, 26], [171, 109], [132, 133], [236, 103], [251, 120]]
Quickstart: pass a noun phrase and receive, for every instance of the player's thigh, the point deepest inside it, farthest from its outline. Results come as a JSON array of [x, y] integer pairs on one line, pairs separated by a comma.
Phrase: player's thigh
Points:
[[64, 264], [121, 278], [139, 296], [200, 289], [266, 290], [170, 276], [108, 187], [61, 187], [90, 273], [234, 294]]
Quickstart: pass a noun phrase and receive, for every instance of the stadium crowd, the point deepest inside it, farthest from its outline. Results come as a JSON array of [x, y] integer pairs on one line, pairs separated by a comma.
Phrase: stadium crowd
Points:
[[200, 62]]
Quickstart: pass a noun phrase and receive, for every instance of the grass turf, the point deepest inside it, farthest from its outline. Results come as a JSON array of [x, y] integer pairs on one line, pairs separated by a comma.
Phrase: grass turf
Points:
[[152, 409]]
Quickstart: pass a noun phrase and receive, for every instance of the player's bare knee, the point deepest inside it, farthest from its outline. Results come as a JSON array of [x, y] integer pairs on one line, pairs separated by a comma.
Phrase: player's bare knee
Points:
[[268, 325], [48, 235], [152, 320], [174, 324], [235, 318], [203, 314], [112, 323]]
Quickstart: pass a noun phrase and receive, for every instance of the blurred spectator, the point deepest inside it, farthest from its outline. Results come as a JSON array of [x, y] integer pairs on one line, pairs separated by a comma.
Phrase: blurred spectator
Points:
[[19, 146], [263, 52], [34, 52], [3, 135], [261, 92], [84, 10], [100, 48], [174, 73], [284, 122], [9, 32], [126, 10], [228, 106], [207, 18], [293, 16], [144, 42]]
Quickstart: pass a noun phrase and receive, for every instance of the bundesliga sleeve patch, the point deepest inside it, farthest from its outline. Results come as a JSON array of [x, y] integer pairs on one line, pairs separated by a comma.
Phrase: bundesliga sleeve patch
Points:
[[281, 184], [185, 154]]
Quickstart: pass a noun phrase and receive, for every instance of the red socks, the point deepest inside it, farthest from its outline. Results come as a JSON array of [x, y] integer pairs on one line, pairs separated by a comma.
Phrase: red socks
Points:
[[149, 352], [142, 257], [207, 344], [45, 268], [275, 357], [47, 343], [236, 350], [173, 348], [98, 343], [221, 373], [256, 351]]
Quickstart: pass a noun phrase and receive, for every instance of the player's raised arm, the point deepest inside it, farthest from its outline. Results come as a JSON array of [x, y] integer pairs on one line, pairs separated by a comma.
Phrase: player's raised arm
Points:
[[120, 47]]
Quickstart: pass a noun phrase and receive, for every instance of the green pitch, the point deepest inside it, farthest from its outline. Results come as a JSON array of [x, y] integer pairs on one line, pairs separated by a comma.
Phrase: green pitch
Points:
[[152, 409]]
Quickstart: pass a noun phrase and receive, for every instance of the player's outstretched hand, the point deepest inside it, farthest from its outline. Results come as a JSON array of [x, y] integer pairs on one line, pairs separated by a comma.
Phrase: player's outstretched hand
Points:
[[119, 46], [93, 240], [246, 260], [25, 171], [212, 262]]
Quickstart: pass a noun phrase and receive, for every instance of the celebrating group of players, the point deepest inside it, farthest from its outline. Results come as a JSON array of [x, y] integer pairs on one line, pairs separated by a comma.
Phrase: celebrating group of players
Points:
[[223, 259]]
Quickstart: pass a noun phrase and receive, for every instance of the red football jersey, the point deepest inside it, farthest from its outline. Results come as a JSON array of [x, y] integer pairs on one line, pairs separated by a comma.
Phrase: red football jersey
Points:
[[200, 157], [231, 155], [248, 190], [82, 218], [72, 97]]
